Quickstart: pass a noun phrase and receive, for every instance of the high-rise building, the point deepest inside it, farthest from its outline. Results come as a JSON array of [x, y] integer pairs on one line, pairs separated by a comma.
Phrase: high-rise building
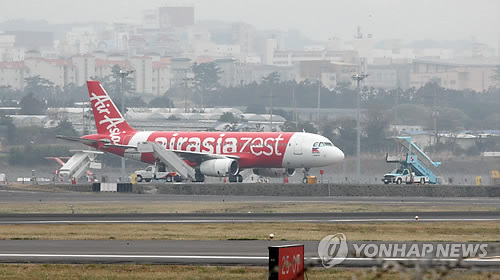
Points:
[[171, 17]]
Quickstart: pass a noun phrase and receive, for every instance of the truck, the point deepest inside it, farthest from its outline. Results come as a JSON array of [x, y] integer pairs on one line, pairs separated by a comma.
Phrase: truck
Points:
[[400, 175], [157, 172]]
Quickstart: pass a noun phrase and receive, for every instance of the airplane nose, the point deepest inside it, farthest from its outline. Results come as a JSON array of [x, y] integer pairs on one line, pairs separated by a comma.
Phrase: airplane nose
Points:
[[338, 154]]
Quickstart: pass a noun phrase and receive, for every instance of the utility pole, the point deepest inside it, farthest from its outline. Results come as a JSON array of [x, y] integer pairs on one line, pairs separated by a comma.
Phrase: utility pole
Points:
[[271, 104], [319, 96], [358, 78], [271, 119], [123, 74], [186, 86]]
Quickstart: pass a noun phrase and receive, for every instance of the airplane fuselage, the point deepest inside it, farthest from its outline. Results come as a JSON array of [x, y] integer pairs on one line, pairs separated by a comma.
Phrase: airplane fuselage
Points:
[[254, 149]]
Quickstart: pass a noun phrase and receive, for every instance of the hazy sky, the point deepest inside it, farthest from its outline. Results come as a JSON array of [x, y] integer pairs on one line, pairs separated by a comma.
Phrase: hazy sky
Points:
[[318, 19]]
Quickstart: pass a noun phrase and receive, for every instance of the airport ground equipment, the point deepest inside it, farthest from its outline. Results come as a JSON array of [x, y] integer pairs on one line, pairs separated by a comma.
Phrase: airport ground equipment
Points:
[[79, 163], [494, 174], [157, 172], [169, 158], [419, 165], [403, 175]]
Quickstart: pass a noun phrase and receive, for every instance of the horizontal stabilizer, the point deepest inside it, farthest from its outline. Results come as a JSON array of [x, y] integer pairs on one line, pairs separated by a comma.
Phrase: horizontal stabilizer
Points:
[[78, 139]]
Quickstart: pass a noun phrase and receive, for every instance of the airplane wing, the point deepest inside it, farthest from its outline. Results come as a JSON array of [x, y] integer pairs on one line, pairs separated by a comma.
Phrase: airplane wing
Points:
[[119, 146], [189, 155], [198, 157]]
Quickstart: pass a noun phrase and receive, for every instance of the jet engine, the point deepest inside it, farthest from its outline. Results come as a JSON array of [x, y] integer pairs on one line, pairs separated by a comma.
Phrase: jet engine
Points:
[[219, 167], [273, 172]]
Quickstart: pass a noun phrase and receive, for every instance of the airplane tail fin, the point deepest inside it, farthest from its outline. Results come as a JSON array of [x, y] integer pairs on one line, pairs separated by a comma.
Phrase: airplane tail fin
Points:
[[108, 119]]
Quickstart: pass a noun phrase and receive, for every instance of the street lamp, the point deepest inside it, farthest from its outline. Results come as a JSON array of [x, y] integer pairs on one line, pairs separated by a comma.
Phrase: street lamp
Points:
[[123, 74], [358, 78]]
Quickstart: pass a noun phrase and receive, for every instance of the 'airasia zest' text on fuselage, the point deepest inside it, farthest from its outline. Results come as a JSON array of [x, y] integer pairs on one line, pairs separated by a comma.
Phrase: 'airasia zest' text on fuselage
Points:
[[225, 144]]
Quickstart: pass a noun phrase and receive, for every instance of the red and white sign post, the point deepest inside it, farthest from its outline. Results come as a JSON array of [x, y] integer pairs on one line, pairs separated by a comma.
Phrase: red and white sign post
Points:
[[286, 262]]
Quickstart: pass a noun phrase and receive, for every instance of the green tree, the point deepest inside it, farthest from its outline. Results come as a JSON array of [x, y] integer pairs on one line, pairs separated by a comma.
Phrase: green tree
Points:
[[375, 130], [345, 137], [271, 79], [496, 75], [9, 128], [30, 105], [64, 128], [256, 108], [39, 85], [162, 101], [206, 80], [228, 117], [299, 127]]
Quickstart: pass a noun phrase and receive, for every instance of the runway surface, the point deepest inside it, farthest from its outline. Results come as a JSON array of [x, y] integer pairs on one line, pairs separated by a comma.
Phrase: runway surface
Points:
[[189, 252], [20, 196], [354, 217], [212, 252]]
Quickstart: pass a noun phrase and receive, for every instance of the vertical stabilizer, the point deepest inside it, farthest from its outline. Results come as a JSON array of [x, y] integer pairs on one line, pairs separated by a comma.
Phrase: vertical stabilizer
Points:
[[108, 119]]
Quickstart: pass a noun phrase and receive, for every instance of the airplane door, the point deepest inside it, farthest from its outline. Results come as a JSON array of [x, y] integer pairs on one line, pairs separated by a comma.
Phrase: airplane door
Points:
[[297, 148]]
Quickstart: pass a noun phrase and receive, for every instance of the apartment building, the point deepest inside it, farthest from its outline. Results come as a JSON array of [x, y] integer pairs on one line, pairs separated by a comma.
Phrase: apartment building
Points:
[[459, 74], [59, 71], [12, 74]]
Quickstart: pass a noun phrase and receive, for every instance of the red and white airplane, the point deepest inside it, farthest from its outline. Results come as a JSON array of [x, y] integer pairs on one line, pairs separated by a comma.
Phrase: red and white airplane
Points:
[[218, 154]]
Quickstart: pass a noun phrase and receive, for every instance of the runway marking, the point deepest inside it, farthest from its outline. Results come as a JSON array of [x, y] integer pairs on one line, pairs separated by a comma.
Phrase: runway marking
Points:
[[198, 257], [422, 219], [132, 256]]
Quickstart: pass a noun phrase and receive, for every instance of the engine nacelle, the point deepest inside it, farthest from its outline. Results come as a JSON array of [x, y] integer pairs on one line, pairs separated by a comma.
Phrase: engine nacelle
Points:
[[219, 167], [273, 172]]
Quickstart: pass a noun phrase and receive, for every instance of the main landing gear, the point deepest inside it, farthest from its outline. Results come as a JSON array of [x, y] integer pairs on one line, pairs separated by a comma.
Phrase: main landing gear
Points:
[[236, 178], [198, 176]]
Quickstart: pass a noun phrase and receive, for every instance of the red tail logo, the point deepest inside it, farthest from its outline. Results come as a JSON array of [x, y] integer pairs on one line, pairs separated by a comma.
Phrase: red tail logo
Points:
[[108, 119]]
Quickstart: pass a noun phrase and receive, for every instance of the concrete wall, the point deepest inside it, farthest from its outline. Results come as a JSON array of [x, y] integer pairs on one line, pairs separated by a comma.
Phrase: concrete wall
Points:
[[299, 189], [321, 190]]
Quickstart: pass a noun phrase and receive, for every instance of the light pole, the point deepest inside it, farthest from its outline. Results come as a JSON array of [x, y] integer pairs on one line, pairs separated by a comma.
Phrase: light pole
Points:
[[358, 78], [319, 96], [123, 74]]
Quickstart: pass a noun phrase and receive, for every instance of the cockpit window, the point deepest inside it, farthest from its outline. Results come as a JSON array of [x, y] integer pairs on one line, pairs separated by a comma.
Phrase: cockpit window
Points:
[[315, 144], [321, 144], [329, 144]]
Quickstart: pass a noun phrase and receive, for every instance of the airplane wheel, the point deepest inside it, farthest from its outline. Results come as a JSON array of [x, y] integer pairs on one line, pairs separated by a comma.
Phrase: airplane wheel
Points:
[[239, 178], [304, 180], [168, 178], [138, 178]]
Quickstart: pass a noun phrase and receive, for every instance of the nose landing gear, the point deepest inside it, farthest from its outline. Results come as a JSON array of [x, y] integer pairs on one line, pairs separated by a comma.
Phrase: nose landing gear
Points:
[[306, 174]]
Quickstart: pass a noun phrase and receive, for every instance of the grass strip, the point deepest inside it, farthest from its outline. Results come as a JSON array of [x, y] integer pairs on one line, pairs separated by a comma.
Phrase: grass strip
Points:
[[220, 207], [153, 272], [407, 231]]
